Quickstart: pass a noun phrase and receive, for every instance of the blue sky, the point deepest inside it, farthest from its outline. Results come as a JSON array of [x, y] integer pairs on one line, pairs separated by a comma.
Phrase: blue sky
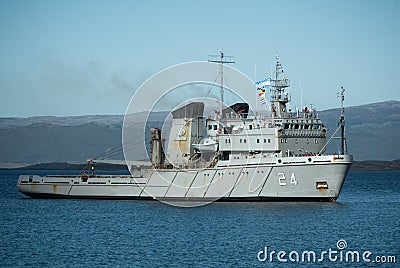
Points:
[[88, 57]]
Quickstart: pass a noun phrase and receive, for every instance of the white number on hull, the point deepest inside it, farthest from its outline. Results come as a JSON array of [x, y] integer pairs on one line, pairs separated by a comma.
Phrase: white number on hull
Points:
[[282, 179], [293, 179]]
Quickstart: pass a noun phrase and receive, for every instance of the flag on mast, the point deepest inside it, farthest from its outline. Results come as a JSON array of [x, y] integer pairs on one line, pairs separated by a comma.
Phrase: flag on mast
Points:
[[263, 86]]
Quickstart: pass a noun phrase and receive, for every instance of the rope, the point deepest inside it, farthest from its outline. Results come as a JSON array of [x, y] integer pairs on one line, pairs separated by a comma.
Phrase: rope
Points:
[[132, 144]]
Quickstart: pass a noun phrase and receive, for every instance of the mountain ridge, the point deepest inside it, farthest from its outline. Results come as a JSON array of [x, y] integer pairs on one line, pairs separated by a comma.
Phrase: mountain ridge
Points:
[[371, 129], [10, 122]]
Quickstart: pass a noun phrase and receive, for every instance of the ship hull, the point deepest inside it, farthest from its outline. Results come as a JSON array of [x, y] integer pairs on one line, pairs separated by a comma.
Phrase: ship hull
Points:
[[293, 179], [183, 200]]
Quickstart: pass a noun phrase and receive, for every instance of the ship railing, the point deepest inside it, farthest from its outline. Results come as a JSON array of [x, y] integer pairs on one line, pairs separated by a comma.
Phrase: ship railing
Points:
[[302, 114], [198, 165], [235, 116], [281, 83]]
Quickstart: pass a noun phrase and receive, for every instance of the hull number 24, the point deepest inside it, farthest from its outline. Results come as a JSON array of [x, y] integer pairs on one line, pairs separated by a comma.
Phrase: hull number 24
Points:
[[283, 182]]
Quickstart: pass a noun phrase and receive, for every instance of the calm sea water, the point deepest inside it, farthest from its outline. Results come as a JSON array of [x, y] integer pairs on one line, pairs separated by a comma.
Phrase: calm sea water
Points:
[[101, 233]]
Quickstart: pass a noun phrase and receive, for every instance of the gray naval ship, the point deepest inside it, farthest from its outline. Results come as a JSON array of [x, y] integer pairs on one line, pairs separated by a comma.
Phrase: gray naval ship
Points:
[[235, 156]]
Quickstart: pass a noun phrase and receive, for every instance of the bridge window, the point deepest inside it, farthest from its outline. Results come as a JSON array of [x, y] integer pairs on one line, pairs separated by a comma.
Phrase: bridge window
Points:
[[215, 127], [258, 140], [209, 127]]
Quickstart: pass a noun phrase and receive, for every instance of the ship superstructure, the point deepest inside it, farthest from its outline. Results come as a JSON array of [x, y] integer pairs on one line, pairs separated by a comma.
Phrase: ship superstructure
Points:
[[235, 135]]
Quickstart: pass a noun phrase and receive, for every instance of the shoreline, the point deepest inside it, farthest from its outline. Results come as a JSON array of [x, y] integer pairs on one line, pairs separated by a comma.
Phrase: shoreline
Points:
[[372, 165]]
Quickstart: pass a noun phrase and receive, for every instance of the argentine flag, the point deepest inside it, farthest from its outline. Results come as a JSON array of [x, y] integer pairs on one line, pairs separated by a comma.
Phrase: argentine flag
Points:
[[266, 83], [262, 86]]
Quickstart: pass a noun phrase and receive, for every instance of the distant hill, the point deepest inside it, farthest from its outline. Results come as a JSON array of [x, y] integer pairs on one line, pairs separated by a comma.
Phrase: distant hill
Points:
[[376, 165], [45, 142], [17, 122], [372, 134], [372, 130]]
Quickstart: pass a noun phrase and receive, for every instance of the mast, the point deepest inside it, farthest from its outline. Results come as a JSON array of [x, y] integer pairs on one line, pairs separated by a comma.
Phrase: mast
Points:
[[221, 71], [342, 122], [279, 98], [221, 61]]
